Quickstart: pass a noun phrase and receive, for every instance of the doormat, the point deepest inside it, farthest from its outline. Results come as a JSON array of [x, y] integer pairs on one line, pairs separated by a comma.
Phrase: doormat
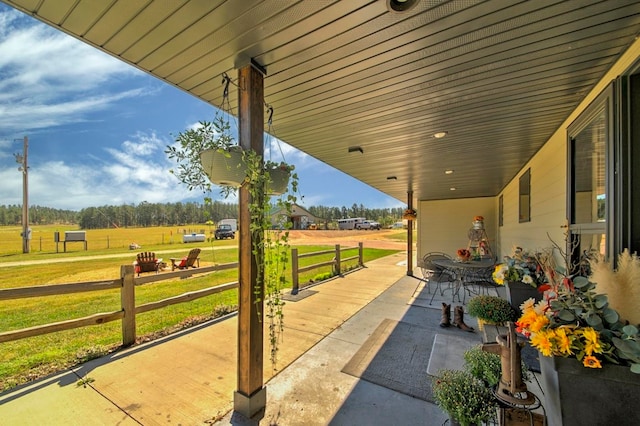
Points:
[[396, 356]]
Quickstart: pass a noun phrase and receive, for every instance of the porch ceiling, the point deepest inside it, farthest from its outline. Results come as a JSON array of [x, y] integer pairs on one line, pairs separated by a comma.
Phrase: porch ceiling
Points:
[[498, 76]]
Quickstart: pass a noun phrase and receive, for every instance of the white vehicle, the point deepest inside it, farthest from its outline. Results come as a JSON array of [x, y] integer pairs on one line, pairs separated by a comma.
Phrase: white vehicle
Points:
[[367, 224], [350, 223]]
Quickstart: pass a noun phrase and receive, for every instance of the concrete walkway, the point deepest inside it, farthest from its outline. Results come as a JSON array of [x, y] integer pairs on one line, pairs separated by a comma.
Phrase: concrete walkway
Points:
[[189, 378]]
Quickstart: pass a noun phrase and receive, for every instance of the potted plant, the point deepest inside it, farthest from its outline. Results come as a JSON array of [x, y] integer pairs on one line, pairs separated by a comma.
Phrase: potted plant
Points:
[[586, 348], [491, 310], [522, 275], [463, 397], [486, 366], [409, 214], [212, 141]]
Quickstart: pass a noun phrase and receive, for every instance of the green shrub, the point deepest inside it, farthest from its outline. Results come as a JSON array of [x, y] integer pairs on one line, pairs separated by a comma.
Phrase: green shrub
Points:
[[486, 366], [465, 398], [491, 308]]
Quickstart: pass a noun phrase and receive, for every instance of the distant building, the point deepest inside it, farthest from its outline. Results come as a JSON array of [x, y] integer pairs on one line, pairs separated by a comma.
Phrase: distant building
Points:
[[300, 218]]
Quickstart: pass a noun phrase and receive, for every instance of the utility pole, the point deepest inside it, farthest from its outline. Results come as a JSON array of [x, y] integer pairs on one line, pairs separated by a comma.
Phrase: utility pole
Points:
[[24, 168]]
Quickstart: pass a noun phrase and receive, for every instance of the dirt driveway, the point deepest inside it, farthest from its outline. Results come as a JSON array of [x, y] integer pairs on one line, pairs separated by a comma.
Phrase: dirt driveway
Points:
[[373, 239]]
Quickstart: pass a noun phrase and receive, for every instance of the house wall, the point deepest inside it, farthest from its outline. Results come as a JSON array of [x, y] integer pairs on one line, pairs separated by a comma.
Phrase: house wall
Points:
[[444, 224], [549, 179]]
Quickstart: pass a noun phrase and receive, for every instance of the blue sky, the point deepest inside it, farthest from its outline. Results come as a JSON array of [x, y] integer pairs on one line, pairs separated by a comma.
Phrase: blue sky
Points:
[[98, 128]]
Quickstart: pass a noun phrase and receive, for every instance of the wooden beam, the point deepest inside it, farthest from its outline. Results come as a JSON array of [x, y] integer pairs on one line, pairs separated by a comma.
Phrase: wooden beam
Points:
[[250, 397], [410, 236]]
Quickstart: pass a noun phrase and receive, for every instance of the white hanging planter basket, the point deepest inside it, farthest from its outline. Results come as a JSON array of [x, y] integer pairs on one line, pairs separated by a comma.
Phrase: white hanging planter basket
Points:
[[279, 181], [224, 168]]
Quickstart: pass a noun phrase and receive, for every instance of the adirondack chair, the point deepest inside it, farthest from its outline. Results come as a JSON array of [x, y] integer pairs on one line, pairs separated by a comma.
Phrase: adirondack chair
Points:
[[147, 262], [189, 261]]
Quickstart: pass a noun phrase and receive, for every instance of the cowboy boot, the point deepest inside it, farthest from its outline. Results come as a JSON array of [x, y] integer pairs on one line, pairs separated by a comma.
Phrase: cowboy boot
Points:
[[446, 315], [458, 319]]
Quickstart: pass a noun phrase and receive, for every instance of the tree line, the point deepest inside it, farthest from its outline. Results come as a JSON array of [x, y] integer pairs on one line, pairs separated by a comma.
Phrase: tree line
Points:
[[168, 214]]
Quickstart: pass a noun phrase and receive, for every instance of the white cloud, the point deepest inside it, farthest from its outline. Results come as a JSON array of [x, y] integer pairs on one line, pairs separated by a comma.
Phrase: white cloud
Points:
[[48, 78]]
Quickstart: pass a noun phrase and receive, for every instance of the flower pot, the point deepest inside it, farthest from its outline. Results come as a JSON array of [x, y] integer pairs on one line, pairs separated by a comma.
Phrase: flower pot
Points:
[[224, 168], [576, 395], [279, 181], [518, 292]]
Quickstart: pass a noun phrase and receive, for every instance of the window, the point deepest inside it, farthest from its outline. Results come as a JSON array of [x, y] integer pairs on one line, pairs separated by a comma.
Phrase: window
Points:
[[525, 197], [589, 204]]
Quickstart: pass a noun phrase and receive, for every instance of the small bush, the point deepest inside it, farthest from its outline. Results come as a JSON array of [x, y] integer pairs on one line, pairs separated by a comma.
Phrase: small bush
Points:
[[486, 366], [491, 308], [465, 398]]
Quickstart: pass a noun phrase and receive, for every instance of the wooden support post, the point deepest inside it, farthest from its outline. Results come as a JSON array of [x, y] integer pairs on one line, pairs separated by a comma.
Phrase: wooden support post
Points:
[[251, 396], [361, 253], [295, 283], [410, 236], [128, 303]]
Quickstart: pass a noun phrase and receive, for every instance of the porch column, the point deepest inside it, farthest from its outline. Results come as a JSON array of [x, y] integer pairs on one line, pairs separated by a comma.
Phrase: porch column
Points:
[[410, 236], [251, 396]]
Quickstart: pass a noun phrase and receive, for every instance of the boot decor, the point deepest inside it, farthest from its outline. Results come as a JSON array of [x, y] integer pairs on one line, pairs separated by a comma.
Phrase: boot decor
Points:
[[458, 319], [446, 315]]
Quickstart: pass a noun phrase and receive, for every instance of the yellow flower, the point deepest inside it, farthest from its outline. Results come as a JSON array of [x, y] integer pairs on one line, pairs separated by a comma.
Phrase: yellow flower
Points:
[[543, 343], [591, 362], [540, 322], [592, 342], [563, 341]]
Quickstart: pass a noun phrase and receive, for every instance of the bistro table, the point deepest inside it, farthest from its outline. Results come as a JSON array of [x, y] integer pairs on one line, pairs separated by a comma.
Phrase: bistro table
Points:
[[465, 272]]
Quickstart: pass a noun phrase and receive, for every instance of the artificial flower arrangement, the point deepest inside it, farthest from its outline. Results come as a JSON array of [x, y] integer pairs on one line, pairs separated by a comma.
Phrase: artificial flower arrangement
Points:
[[463, 254], [478, 218], [409, 214], [573, 320], [522, 266]]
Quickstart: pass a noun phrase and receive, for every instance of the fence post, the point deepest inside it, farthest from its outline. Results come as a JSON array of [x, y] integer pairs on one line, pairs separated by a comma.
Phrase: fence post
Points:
[[128, 302], [361, 253], [338, 268], [294, 271]]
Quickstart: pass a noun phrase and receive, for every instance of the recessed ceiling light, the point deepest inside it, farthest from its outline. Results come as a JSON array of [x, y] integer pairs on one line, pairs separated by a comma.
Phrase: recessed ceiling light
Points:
[[440, 135], [356, 149], [453, 188], [448, 172], [400, 6], [392, 178]]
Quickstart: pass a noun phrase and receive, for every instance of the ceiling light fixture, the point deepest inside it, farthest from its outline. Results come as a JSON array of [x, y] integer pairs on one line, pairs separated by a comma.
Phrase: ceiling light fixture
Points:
[[400, 6], [448, 172], [356, 149], [440, 135], [392, 178], [453, 188]]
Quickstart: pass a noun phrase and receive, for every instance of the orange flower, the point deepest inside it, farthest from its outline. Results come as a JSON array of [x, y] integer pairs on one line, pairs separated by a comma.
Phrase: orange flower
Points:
[[591, 362]]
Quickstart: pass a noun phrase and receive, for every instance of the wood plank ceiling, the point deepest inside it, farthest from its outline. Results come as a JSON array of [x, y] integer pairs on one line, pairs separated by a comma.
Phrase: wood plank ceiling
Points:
[[498, 76]]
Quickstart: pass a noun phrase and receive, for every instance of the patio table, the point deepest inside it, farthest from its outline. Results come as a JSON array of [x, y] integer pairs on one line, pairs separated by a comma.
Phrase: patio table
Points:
[[462, 271]]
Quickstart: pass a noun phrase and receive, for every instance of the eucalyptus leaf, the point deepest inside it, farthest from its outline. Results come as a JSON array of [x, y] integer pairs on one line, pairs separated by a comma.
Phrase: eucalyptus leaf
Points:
[[566, 315], [630, 330], [635, 368], [610, 315], [600, 301], [580, 282], [594, 321]]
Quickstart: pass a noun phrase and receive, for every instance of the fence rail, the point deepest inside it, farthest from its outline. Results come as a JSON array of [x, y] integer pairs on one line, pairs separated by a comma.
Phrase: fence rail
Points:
[[336, 262], [127, 282]]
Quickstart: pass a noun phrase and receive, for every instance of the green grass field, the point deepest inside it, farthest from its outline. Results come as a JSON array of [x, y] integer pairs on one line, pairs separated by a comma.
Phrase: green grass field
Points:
[[30, 358]]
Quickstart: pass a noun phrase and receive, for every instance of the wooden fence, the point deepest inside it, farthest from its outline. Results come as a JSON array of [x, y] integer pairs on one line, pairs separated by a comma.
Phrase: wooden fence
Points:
[[126, 283], [336, 262]]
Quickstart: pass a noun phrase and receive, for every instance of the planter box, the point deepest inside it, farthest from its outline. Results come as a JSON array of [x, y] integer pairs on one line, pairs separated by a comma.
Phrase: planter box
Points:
[[518, 292], [577, 396]]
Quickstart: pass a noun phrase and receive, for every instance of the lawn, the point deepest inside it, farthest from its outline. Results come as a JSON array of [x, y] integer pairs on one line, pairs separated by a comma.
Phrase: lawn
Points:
[[30, 358]]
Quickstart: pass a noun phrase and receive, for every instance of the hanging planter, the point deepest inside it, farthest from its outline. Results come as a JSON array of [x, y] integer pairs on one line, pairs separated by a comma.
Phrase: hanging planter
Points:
[[409, 214], [279, 175], [224, 167]]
